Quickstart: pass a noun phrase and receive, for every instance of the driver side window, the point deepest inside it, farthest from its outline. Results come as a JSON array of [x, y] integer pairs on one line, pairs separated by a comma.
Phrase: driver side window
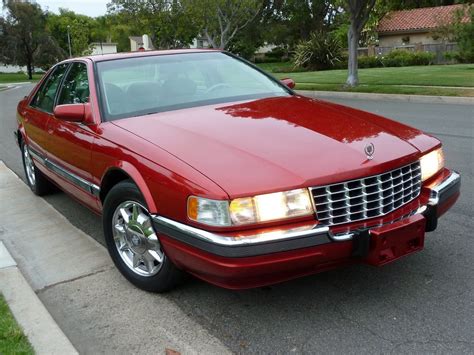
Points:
[[75, 89], [44, 99]]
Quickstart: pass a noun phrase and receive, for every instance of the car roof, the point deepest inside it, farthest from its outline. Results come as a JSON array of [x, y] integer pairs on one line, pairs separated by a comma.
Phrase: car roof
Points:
[[124, 55]]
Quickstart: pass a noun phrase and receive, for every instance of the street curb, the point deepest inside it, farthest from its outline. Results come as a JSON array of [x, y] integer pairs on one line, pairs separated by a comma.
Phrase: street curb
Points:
[[18, 83], [42, 331], [388, 97], [70, 271]]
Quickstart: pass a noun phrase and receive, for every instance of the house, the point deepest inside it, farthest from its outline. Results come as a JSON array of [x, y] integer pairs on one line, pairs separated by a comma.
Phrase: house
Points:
[[11, 69], [100, 48], [199, 43], [415, 27], [140, 43], [264, 50]]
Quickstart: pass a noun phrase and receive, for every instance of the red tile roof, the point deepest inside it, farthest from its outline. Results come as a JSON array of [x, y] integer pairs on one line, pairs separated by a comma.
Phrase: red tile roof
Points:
[[416, 20]]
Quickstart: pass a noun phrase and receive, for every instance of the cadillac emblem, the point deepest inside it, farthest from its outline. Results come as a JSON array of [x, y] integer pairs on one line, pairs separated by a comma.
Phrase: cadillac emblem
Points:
[[369, 151]]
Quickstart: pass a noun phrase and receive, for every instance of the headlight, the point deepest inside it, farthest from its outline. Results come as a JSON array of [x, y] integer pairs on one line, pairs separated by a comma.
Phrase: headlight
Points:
[[261, 208], [431, 163], [210, 212]]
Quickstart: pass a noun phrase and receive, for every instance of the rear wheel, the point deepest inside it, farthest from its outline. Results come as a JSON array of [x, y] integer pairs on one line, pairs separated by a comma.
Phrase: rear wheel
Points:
[[132, 242], [35, 179]]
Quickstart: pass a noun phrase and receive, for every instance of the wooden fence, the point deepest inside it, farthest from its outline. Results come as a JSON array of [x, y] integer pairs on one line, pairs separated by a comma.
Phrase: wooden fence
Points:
[[439, 49]]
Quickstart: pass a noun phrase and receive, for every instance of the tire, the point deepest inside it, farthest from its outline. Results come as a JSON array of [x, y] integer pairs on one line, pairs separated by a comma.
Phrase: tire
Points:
[[132, 242], [38, 183]]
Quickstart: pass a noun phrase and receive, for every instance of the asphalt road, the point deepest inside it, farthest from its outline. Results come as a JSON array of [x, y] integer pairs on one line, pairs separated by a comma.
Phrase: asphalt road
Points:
[[421, 304]]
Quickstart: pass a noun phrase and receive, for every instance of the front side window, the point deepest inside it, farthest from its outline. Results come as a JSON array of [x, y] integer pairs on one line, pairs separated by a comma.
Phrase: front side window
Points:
[[75, 89], [143, 85], [44, 98]]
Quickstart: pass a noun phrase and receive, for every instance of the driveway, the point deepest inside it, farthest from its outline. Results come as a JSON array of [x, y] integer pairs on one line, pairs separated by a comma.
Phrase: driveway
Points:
[[421, 304]]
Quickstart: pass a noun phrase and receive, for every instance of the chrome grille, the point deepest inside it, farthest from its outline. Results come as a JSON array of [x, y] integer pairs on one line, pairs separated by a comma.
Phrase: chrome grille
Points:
[[369, 197]]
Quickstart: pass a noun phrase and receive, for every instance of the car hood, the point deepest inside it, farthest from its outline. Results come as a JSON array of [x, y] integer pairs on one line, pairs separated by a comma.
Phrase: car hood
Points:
[[280, 143]]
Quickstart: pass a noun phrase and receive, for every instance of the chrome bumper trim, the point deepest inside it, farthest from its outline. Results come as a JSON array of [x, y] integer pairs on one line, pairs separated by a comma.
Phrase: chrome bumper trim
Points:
[[242, 246], [342, 237], [240, 241], [451, 181]]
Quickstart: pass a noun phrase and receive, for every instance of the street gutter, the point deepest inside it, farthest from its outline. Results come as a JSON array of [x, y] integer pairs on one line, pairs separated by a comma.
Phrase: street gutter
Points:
[[388, 97]]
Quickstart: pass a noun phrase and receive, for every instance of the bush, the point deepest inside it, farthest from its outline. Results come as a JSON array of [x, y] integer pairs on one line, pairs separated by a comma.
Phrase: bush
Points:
[[321, 51], [370, 62], [403, 58], [396, 58]]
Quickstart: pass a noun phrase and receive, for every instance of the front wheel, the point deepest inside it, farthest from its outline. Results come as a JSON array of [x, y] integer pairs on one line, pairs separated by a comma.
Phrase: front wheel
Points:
[[132, 242], [35, 179]]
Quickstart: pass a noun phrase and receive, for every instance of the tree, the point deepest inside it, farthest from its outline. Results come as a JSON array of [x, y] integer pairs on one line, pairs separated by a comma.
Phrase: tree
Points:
[[164, 20], [79, 27], [221, 20], [359, 11], [288, 22], [464, 33], [113, 28], [24, 40]]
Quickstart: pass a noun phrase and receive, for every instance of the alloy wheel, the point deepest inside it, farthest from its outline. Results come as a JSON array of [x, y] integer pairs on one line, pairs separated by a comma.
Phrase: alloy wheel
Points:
[[136, 240], [29, 167]]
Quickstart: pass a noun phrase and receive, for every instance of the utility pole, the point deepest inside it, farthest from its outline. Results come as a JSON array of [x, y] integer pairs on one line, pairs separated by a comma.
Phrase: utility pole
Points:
[[69, 41]]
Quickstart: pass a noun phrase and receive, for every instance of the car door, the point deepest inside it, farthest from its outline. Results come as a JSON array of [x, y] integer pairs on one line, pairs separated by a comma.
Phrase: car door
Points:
[[69, 143], [40, 110]]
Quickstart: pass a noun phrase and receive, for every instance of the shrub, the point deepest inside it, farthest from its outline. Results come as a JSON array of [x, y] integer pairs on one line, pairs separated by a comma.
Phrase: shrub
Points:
[[396, 58], [402, 58], [321, 51], [370, 62]]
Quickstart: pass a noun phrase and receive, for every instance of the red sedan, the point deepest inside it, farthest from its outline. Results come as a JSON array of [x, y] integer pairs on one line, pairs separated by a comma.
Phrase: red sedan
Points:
[[200, 162]]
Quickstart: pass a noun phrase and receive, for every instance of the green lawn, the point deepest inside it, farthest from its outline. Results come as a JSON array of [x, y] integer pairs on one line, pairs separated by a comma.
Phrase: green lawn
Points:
[[422, 80], [17, 77], [12, 339]]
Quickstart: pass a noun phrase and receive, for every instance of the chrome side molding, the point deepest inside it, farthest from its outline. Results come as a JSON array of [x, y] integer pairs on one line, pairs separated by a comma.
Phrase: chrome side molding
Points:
[[71, 177]]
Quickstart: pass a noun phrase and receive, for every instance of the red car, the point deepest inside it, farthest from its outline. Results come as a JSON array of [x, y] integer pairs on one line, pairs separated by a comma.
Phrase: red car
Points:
[[200, 162]]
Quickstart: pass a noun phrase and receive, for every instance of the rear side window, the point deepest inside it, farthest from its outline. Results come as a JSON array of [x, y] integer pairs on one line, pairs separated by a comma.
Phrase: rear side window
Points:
[[75, 89], [44, 98]]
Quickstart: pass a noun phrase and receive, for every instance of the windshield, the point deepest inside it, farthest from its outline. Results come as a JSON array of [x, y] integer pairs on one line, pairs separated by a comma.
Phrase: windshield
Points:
[[144, 85]]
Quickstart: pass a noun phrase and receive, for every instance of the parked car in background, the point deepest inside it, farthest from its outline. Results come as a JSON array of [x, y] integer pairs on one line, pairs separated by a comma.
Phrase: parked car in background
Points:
[[200, 162]]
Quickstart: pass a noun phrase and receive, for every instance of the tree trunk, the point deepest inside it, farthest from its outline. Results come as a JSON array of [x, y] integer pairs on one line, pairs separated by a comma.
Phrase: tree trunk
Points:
[[353, 44], [223, 43], [29, 69], [210, 39]]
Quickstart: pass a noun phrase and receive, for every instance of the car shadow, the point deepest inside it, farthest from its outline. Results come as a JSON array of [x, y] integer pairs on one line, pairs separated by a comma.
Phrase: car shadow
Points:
[[344, 308]]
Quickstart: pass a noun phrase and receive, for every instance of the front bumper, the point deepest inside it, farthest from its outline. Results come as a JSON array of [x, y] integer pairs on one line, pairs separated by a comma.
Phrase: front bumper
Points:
[[250, 260]]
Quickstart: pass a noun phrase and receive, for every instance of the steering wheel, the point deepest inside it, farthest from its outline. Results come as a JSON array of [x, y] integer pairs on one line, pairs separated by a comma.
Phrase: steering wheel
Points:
[[217, 86]]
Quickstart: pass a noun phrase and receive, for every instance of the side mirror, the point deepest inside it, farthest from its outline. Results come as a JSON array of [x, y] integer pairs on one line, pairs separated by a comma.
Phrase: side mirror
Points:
[[288, 82], [71, 113]]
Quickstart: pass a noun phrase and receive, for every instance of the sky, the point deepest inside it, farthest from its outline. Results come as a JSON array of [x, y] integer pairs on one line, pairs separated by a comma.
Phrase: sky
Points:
[[86, 7]]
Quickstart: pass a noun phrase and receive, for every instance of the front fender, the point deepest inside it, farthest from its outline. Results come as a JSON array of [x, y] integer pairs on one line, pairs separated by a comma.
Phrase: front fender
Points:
[[137, 178]]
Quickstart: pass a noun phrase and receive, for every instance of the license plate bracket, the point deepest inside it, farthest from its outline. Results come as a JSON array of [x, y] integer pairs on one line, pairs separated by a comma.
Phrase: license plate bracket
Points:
[[391, 242]]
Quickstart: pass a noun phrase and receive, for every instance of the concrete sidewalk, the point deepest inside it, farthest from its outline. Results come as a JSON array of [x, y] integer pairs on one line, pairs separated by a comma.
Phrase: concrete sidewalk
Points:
[[72, 274], [42, 331]]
